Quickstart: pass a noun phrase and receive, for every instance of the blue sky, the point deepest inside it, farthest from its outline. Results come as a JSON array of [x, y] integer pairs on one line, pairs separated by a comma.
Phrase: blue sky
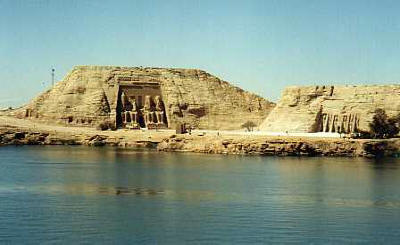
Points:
[[261, 46]]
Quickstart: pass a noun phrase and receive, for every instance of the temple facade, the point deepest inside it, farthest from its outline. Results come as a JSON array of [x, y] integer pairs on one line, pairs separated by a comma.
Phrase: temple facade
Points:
[[331, 109], [140, 105]]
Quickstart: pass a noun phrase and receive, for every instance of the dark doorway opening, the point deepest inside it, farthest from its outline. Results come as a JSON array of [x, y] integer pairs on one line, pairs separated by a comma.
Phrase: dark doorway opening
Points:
[[141, 121]]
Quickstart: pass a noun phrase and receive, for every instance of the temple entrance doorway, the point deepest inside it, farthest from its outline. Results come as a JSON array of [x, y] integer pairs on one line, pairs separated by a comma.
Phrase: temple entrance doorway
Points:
[[141, 122]]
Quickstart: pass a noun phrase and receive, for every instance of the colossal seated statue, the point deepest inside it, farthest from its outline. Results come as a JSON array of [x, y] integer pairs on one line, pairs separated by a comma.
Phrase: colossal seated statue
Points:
[[146, 110], [133, 112], [159, 110]]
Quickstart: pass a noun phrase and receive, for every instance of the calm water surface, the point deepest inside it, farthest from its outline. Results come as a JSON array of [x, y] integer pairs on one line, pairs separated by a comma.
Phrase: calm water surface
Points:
[[106, 195]]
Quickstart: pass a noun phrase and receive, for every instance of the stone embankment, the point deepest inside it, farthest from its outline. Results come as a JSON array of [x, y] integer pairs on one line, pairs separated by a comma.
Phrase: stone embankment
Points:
[[15, 131], [18, 136], [282, 146]]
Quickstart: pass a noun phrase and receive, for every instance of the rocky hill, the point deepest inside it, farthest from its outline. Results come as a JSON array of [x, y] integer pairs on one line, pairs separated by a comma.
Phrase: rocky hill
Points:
[[89, 95], [331, 108]]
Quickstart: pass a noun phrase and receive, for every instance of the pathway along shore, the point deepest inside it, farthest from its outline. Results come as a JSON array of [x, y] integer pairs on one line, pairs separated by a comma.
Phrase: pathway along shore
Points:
[[26, 132]]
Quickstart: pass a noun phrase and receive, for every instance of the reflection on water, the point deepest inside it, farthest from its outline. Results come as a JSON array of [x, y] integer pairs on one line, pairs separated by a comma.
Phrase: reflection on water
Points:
[[108, 195]]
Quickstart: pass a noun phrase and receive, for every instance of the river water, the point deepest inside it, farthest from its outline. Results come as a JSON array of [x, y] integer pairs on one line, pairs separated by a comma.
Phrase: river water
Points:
[[60, 194]]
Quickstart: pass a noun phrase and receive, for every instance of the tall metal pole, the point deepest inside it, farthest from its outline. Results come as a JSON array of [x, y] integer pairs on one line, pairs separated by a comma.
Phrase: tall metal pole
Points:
[[52, 76]]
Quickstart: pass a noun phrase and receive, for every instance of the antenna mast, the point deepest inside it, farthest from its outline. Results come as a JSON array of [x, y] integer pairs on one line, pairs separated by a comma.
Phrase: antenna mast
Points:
[[52, 76]]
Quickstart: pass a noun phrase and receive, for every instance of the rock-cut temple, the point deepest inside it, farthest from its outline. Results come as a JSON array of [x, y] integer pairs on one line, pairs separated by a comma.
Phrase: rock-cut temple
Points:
[[133, 97]]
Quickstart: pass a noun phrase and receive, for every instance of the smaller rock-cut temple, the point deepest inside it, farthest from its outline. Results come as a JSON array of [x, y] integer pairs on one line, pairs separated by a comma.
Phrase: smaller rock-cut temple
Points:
[[340, 109], [133, 97]]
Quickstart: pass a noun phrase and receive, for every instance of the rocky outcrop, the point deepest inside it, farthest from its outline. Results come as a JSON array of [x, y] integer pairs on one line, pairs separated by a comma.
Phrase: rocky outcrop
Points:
[[26, 137], [343, 109], [89, 95], [256, 145], [17, 136], [282, 146]]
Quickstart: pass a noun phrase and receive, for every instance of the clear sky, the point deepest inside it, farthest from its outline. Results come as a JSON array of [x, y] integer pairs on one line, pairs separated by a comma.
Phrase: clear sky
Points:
[[261, 46]]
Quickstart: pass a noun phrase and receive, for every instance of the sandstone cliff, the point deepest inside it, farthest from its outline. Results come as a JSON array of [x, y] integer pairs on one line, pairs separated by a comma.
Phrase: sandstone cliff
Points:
[[91, 94], [331, 108]]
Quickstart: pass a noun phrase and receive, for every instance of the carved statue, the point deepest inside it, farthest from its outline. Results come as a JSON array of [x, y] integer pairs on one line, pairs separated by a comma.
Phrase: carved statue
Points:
[[127, 116], [326, 123], [134, 105], [159, 109], [147, 103], [347, 123], [123, 101], [147, 110], [134, 112], [129, 111]]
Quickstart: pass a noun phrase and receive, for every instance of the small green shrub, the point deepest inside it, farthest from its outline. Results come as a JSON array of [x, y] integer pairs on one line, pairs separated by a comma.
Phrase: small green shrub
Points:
[[384, 127], [106, 125], [249, 125]]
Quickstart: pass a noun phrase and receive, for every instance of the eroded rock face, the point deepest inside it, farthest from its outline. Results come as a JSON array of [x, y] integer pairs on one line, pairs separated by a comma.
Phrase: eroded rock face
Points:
[[343, 109], [89, 95], [281, 146]]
